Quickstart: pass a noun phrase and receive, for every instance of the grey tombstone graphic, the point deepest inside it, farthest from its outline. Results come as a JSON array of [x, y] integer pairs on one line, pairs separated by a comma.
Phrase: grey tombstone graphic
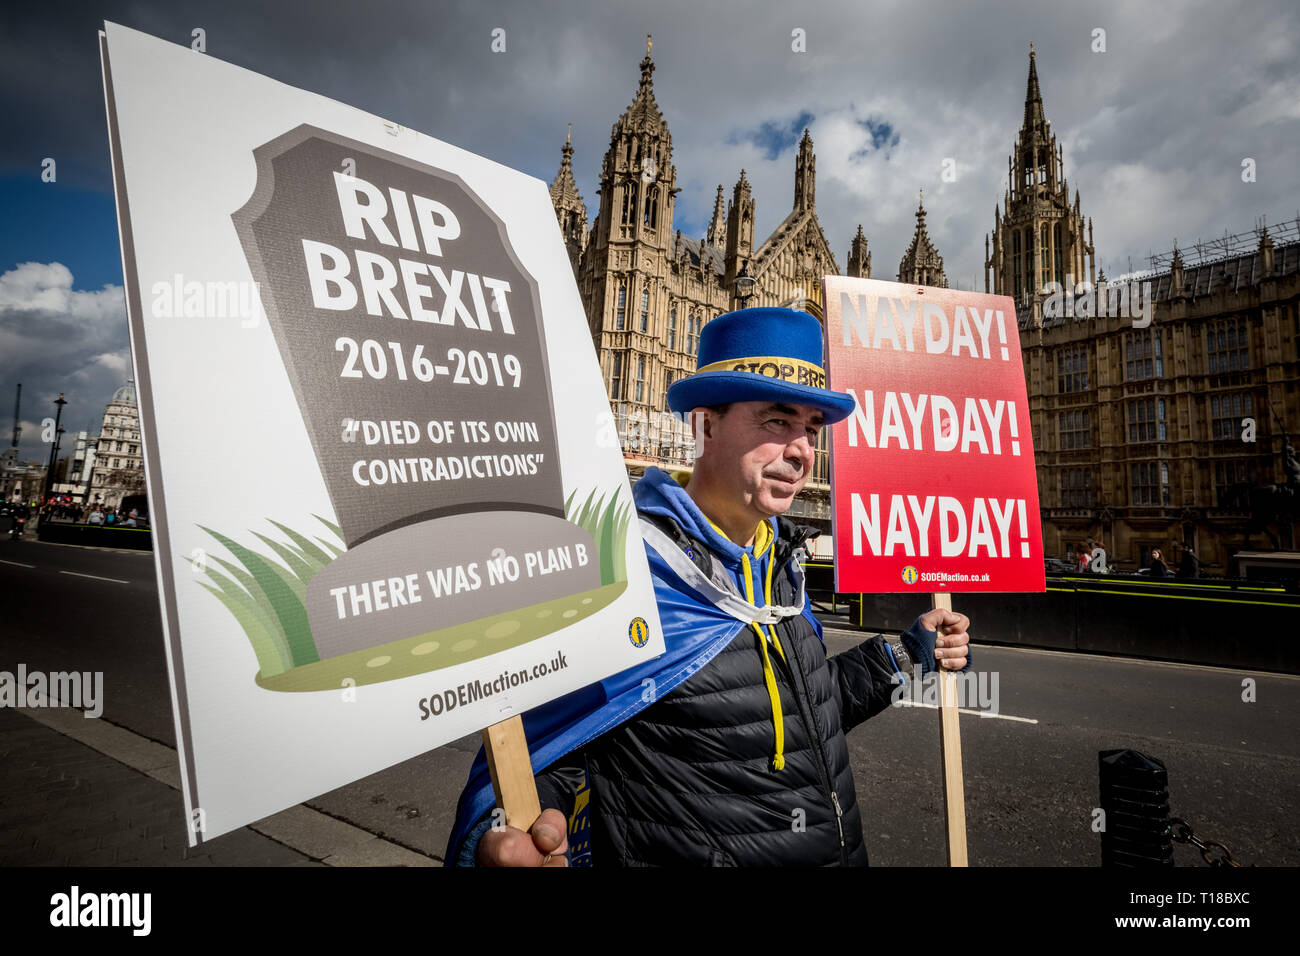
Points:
[[413, 339]]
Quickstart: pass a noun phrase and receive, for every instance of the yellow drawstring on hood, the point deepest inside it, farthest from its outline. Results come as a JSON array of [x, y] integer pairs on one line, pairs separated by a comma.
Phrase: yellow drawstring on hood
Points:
[[769, 676], [763, 539]]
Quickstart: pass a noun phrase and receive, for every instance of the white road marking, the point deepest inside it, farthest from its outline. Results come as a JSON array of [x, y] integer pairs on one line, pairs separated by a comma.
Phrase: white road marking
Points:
[[18, 564], [96, 577], [966, 710]]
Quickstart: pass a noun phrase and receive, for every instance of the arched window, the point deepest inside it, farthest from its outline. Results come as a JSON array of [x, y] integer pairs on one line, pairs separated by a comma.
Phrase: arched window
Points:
[[645, 309], [1059, 254], [1029, 258], [620, 310], [616, 377], [1015, 260], [672, 327], [640, 377], [651, 216], [1044, 252], [629, 203]]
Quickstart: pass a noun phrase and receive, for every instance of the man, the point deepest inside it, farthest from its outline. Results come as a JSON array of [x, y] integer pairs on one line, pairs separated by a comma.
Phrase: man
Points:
[[735, 752]]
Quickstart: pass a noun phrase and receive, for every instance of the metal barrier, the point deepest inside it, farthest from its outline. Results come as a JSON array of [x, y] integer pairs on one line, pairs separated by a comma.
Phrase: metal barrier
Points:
[[95, 535], [1219, 624]]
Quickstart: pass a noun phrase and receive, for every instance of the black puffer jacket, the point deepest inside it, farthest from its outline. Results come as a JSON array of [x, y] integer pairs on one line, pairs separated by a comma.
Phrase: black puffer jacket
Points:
[[689, 780]]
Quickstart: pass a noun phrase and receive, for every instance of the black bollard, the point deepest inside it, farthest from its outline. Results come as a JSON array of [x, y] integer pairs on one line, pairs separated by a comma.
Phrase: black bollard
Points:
[[1135, 800]]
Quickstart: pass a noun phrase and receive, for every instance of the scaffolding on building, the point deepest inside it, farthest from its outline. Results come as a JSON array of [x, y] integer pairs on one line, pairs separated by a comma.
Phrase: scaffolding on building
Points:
[[1227, 246]]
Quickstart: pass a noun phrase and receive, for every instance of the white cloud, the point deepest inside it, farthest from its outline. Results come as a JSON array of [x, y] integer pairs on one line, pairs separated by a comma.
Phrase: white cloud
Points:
[[46, 287], [55, 338]]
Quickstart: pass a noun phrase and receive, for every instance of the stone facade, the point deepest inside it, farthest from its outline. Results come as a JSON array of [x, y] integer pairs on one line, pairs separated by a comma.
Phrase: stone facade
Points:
[[119, 457], [1149, 421], [648, 290], [922, 264], [1040, 238]]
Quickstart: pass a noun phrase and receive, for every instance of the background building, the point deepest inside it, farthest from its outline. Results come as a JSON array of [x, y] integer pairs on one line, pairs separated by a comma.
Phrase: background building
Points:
[[1149, 437], [118, 460], [21, 480], [648, 290]]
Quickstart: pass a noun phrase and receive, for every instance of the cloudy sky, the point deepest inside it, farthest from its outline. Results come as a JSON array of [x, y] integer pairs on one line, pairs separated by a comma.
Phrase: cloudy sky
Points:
[[1154, 128]]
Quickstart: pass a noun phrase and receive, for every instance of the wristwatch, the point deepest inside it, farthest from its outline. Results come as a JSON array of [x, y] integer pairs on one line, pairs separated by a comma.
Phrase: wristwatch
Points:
[[906, 665]]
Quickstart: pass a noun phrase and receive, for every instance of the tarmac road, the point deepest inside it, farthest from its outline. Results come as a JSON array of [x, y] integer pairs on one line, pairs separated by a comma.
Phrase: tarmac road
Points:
[[1030, 772]]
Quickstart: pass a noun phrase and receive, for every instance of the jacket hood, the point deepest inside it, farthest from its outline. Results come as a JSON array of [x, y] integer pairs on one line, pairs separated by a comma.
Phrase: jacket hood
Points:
[[659, 493]]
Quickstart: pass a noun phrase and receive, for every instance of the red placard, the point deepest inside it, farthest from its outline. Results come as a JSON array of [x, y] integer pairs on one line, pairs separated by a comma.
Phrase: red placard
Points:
[[933, 474]]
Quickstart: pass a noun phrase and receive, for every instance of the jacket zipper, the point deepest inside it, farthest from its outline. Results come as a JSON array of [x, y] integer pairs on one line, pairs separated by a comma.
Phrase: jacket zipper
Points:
[[815, 733]]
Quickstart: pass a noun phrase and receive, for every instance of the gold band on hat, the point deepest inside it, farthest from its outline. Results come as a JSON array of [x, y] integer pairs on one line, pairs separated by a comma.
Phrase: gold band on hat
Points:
[[792, 370]]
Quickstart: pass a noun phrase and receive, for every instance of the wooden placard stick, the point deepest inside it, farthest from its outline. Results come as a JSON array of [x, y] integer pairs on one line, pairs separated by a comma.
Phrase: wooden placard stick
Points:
[[954, 797], [506, 748]]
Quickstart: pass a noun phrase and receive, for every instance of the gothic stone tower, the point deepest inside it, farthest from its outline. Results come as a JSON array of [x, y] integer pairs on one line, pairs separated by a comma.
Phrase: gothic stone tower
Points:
[[624, 268], [859, 257], [648, 290], [790, 263], [922, 264], [1040, 237], [570, 210]]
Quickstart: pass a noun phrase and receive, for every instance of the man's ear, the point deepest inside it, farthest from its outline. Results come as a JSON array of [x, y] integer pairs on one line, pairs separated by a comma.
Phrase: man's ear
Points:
[[701, 428]]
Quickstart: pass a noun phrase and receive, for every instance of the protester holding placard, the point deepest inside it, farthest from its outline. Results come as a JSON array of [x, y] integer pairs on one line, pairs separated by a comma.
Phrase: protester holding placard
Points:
[[730, 749]]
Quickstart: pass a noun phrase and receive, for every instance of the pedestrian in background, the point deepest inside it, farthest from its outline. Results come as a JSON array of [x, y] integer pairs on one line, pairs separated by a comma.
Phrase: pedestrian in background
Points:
[[1158, 567]]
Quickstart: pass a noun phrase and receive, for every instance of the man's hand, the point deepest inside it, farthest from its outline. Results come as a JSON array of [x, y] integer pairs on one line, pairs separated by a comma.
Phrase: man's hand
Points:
[[541, 846], [950, 647], [938, 636]]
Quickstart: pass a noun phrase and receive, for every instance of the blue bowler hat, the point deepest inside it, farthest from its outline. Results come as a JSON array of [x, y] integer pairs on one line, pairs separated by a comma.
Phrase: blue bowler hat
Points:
[[760, 355]]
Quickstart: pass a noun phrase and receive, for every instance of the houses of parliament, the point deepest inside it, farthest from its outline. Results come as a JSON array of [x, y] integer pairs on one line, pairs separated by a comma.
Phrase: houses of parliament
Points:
[[1144, 437]]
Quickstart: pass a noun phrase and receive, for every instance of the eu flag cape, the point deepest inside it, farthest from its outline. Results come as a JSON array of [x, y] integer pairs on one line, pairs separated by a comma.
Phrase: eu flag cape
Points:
[[695, 630]]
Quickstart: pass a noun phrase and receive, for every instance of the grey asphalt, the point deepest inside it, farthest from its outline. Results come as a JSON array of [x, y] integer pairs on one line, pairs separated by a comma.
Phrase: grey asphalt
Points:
[[1030, 773]]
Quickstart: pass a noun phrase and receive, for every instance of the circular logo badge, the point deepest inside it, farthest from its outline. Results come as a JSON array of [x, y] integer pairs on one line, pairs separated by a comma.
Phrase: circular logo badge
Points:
[[638, 632], [910, 575]]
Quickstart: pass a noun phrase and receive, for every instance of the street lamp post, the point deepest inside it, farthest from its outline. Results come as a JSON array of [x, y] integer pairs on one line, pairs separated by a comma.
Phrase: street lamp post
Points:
[[54, 447], [745, 284]]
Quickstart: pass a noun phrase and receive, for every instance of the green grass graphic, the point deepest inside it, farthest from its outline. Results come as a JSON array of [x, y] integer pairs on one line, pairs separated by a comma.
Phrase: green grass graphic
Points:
[[607, 524], [268, 598]]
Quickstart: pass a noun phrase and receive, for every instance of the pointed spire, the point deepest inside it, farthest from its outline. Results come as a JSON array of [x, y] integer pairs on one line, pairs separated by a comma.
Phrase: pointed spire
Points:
[[647, 64], [564, 186], [718, 225], [644, 111], [859, 257], [805, 174], [1265, 252], [1033, 96], [921, 263], [570, 210]]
